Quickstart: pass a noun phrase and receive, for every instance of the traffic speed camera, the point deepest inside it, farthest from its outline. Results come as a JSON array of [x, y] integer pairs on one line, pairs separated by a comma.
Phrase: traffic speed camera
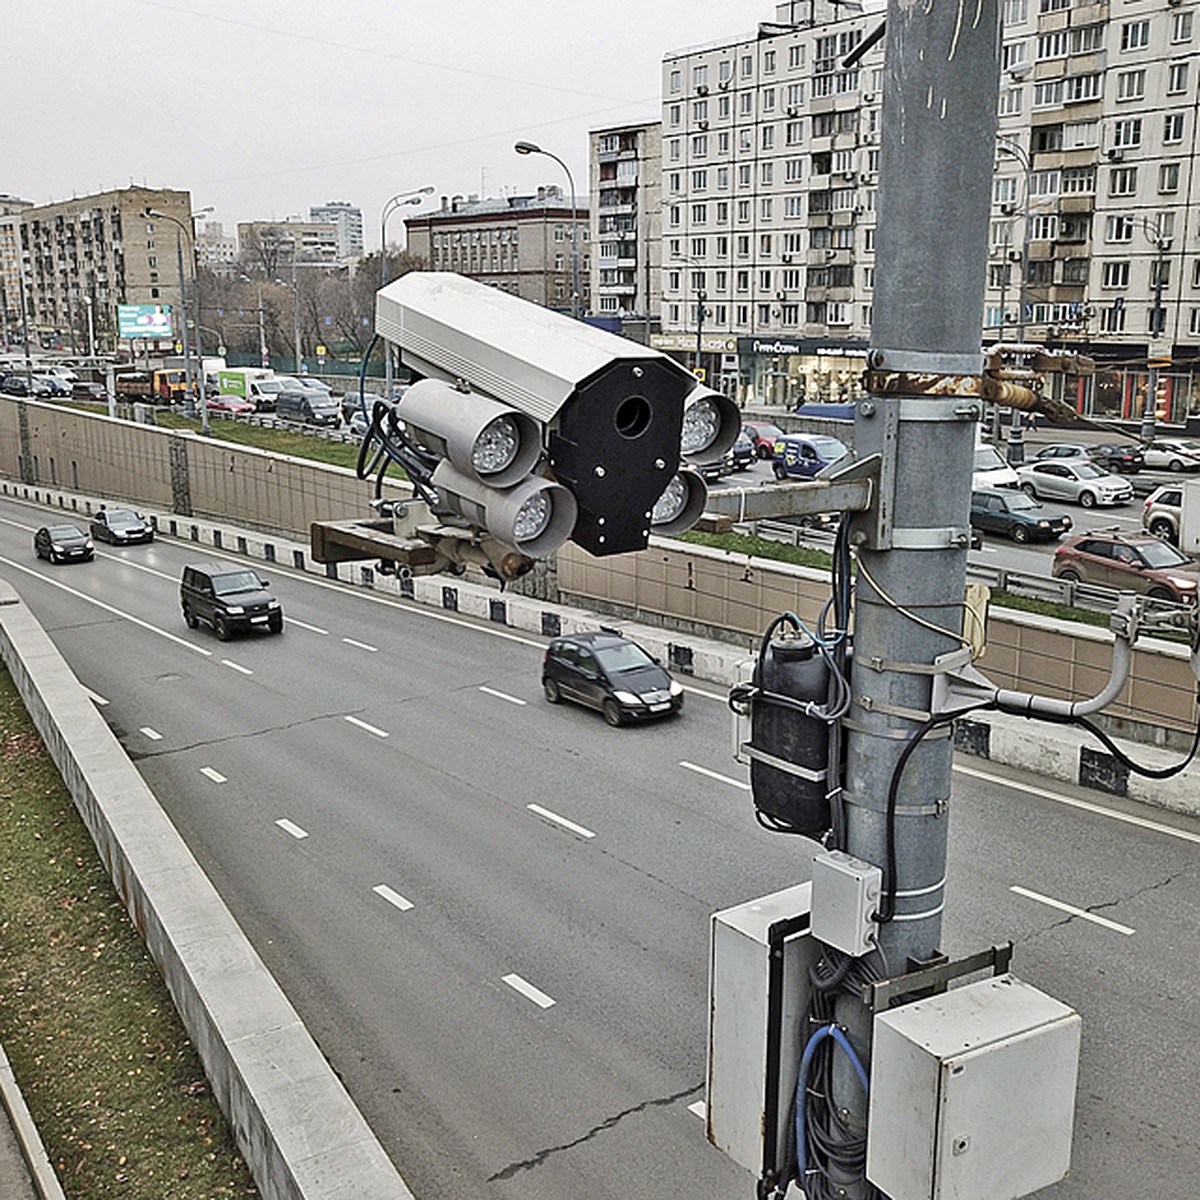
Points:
[[544, 428]]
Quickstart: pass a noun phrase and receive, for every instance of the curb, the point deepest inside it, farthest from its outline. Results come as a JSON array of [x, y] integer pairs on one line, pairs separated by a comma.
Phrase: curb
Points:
[[37, 1161]]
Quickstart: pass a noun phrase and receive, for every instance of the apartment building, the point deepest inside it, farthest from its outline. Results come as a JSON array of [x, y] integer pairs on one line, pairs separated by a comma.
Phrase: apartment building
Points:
[[270, 247], [626, 226], [348, 222], [216, 249], [80, 258], [11, 208], [519, 244], [770, 148]]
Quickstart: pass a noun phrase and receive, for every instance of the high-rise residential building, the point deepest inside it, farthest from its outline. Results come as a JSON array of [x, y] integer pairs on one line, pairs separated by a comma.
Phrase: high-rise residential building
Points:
[[11, 209], [520, 244], [96, 252], [770, 157], [349, 223], [626, 225], [270, 247]]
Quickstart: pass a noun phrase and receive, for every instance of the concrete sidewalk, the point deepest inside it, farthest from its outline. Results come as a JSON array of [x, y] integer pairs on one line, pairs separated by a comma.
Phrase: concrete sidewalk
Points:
[[25, 1171]]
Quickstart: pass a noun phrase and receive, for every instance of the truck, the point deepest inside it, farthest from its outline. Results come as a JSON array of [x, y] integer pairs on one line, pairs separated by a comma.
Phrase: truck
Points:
[[245, 382], [163, 385], [1172, 512]]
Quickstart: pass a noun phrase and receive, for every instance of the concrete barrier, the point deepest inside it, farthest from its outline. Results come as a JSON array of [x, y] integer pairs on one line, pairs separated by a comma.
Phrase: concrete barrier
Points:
[[301, 1135]]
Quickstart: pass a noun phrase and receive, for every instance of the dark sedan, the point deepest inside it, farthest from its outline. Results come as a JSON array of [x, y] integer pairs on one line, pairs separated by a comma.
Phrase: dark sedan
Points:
[[121, 527], [1120, 459], [1015, 515], [62, 544], [608, 672]]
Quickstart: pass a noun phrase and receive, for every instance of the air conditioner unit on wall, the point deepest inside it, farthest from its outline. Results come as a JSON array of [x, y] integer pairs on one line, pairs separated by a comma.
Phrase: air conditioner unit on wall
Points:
[[1116, 154]]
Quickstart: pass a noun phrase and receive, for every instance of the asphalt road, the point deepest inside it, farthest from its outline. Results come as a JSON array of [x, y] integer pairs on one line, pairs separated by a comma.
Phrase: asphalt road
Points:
[[493, 914]]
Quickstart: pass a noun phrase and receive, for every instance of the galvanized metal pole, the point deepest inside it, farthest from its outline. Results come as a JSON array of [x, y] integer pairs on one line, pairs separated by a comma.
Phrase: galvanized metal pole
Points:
[[941, 78]]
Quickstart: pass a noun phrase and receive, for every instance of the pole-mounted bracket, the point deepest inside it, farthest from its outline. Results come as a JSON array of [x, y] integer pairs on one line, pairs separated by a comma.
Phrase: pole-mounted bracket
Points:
[[878, 996]]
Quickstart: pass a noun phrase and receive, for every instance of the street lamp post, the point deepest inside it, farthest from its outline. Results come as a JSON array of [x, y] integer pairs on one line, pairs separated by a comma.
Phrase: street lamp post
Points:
[[1016, 434], [397, 201], [87, 300], [1152, 228], [576, 294], [701, 300]]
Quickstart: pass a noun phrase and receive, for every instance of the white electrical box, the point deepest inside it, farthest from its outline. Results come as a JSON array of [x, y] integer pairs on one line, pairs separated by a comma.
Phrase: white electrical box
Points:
[[1189, 518], [845, 898], [760, 954], [972, 1093]]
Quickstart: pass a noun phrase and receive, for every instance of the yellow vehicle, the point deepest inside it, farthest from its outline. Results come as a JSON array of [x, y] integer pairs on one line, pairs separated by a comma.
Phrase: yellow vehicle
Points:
[[156, 386]]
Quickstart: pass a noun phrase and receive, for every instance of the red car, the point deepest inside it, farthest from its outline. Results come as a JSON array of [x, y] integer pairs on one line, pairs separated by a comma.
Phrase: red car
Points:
[[230, 406], [764, 435]]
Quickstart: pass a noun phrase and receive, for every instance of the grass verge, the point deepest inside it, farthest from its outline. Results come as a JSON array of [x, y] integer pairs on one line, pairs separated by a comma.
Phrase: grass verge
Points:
[[110, 1077]]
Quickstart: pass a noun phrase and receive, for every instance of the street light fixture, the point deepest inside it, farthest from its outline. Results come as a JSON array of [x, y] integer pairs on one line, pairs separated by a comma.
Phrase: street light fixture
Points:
[[701, 299], [1152, 227], [576, 297], [397, 201], [1016, 435]]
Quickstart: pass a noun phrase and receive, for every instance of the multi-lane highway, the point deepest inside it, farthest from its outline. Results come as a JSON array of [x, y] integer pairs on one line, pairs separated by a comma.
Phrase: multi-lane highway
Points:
[[493, 913]]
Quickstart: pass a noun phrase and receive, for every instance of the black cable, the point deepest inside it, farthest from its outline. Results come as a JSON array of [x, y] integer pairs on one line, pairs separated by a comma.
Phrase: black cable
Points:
[[1119, 754]]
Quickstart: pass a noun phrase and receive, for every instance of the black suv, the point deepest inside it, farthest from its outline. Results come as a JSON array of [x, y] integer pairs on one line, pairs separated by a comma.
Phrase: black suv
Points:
[[229, 598]]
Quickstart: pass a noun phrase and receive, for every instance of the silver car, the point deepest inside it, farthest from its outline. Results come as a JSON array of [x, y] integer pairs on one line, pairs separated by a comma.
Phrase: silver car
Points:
[[1175, 454], [1074, 479]]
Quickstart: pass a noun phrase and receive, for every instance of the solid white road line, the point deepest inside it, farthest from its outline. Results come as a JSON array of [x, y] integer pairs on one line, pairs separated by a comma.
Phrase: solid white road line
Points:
[[737, 783], [152, 734], [1075, 912], [1128, 818], [503, 696], [288, 827], [391, 897], [528, 991], [226, 662], [550, 816], [369, 728], [215, 776], [360, 645]]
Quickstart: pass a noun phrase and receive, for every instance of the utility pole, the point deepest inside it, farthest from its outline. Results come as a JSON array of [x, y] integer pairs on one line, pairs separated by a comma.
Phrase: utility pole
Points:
[[940, 81]]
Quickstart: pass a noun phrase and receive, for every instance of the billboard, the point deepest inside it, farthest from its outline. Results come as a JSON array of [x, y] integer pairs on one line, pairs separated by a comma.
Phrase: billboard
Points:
[[144, 321]]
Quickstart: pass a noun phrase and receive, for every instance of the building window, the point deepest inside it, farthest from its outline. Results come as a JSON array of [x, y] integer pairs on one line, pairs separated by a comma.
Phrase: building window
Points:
[[766, 174], [1177, 79], [1168, 177], [768, 100], [746, 104], [744, 175], [745, 139], [764, 281], [769, 62], [743, 210], [1181, 27], [1078, 88], [766, 207], [1011, 101], [673, 150], [1135, 35], [1172, 128], [747, 66], [724, 70], [1016, 12], [700, 146], [793, 208], [699, 247], [1116, 275], [699, 110], [699, 180], [723, 143], [699, 214], [1127, 133], [743, 245], [1112, 319], [1118, 227], [795, 57], [793, 170], [1131, 85], [764, 246], [675, 114], [676, 84], [1122, 181], [793, 133], [700, 75], [768, 137]]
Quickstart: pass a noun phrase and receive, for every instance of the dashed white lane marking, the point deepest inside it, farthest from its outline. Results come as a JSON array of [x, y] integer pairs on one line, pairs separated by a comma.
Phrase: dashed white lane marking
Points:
[[528, 991], [289, 827], [369, 728], [552, 816], [306, 625], [391, 897], [700, 1108], [737, 783], [228, 662], [503, 696], [210, 773], [152, 734], [360, 645], [1070, 908]]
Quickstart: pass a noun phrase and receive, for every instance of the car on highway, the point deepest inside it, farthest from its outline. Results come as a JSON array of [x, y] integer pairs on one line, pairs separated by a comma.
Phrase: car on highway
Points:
[[228, 598], [51, 387], [1077, 480], [764, 435], [308, 407], [989, 468], [94, 392], [1016, 515], [1172, 454], [226, 404], [14, 385], [611, 673], [803, 455], [1137, 562], [62, 544], [121, 527], [743, 452], [359, 423], [1162, 512], [1120, 459]]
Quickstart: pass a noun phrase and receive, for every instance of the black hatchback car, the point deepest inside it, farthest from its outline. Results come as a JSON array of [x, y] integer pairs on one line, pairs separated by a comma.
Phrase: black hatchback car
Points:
[[229, 598], [609, 672], [1015, 515], [121, 527], [63, 543]]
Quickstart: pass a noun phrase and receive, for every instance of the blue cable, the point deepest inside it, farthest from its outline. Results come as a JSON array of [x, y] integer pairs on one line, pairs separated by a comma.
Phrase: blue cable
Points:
[[802, 1089]]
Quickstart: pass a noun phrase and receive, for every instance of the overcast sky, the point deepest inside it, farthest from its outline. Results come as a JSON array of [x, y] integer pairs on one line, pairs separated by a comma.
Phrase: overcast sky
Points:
[[262, 108]]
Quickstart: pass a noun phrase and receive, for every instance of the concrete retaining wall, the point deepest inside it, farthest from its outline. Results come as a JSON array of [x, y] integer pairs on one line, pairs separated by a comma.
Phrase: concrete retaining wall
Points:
[[300, 1133]]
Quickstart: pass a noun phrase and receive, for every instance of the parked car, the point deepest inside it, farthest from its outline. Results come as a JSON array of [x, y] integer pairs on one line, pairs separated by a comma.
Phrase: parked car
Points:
[[360, 423], [308, 407], [1120, 459], [351, 404], [609, 672], [803, 455], [1137, 562], [51, 387], [229, 598], [1014, 514], [95, 392], [1077, 480], [121, 527], [990, 468], [764, 435], [227, 405], [63, 543], [14, 385], [1173, 454], [1162, 512]]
